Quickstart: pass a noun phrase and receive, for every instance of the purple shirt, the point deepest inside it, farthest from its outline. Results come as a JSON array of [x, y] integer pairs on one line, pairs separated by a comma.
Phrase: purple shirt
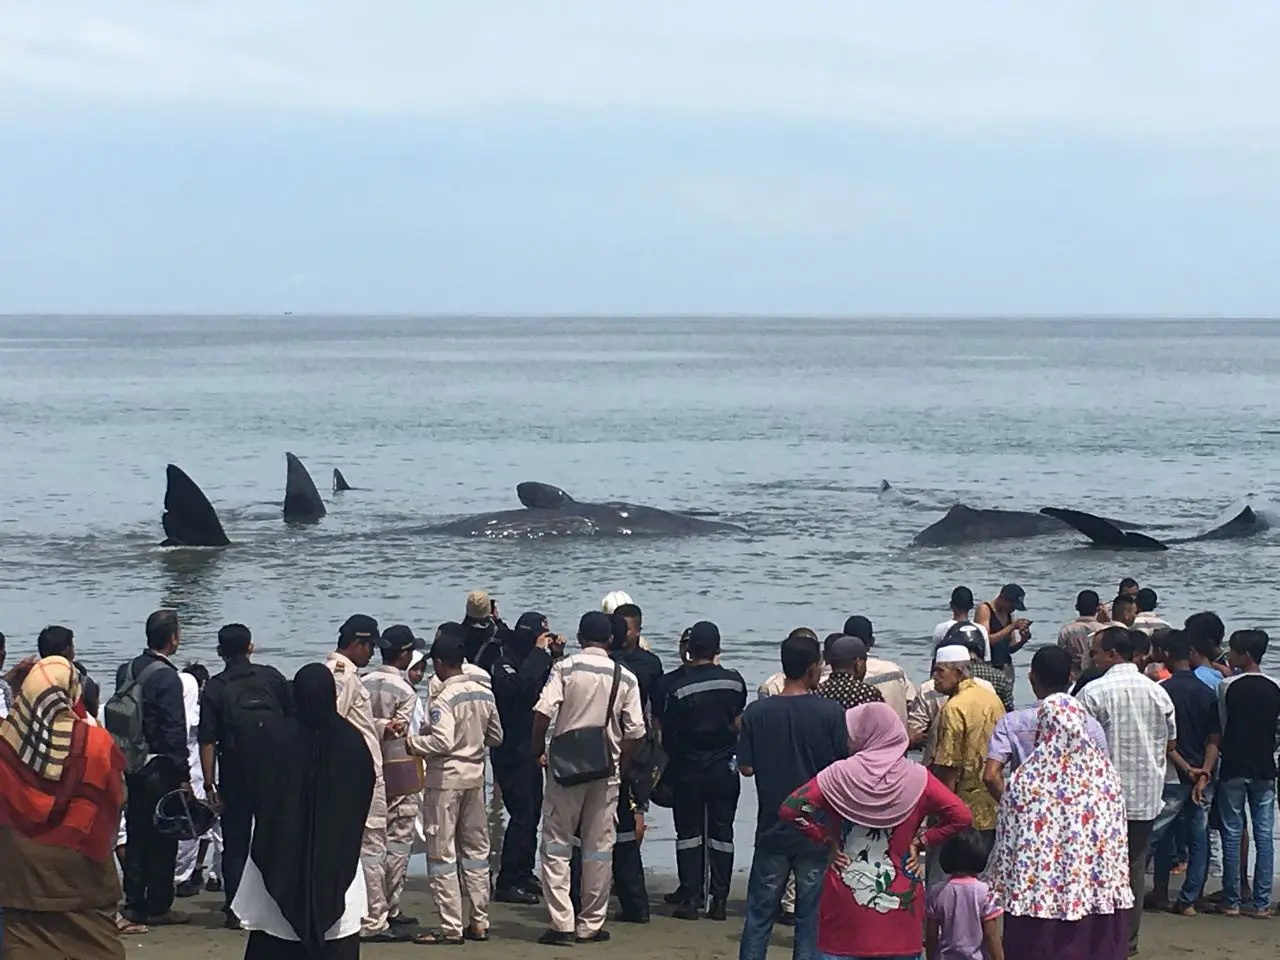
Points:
[[960, 906], [1015, 737]]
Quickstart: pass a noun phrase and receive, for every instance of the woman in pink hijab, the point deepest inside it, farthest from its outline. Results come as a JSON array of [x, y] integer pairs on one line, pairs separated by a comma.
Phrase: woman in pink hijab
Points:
[[869, 810]]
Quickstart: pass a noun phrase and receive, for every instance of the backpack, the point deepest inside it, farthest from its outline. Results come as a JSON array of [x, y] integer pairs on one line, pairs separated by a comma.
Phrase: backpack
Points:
[[122, 716], [247, 703]]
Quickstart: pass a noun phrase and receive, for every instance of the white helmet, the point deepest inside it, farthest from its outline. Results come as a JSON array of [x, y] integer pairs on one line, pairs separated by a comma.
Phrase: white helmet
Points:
[[614, 600]]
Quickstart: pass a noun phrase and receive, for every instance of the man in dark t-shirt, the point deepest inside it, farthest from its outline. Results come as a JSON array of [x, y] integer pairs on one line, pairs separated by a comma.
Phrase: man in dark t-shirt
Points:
[[1249, 707], [786, 740]]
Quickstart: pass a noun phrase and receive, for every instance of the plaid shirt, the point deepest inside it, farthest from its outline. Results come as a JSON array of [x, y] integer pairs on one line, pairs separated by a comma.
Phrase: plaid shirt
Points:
[[1138, 718], [999, 680]]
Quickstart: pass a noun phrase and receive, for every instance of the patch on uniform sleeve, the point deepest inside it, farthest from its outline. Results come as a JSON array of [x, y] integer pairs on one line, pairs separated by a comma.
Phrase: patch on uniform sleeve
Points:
[[434, 715], [339, 666], [508, 668]]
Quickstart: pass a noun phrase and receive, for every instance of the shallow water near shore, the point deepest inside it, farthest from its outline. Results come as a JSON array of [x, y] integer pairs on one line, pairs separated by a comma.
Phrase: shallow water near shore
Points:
[[784, 426]]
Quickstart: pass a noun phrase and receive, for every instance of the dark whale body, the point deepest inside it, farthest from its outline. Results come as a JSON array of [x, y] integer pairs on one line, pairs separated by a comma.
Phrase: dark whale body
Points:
[[189, 518], [302, 503], [549, 511]]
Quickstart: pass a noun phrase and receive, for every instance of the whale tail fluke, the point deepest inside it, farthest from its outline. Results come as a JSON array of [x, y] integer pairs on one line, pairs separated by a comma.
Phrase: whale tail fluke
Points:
[[1103, 532]]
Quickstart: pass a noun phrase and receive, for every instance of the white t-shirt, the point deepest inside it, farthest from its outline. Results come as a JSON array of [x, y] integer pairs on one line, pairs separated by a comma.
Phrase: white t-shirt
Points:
[[940, 632]]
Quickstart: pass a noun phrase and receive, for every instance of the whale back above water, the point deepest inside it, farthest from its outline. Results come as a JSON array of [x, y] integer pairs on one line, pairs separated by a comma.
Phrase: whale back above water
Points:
[[302, 503], [550, 511], [965, 524], [189, 519]]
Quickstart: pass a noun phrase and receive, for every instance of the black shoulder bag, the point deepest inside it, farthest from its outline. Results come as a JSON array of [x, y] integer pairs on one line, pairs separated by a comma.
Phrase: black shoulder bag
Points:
[[582, 755]]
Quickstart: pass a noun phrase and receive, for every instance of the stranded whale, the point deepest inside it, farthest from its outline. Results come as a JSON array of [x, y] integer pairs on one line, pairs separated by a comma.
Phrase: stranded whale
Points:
[[549, 511], [302, 503], [1234, 525], [189, 518]]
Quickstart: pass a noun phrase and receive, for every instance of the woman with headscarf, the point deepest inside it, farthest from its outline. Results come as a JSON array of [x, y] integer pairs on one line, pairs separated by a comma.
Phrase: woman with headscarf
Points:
[[303, 892], [1060, 866], [869, 809], [61, 790]]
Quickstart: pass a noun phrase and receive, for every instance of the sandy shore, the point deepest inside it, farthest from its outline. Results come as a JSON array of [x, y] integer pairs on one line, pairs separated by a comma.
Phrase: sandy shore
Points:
[[516, 928]]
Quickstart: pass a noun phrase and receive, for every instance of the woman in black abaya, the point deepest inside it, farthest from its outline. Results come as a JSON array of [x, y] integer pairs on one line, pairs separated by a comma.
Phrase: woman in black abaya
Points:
[[303, 893]]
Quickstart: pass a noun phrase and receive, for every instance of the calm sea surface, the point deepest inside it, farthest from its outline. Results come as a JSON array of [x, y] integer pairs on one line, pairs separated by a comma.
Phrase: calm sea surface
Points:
[[785, 426]]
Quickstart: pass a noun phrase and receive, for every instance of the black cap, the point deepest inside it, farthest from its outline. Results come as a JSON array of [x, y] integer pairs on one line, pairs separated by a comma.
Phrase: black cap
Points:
[[860, 627], [362, 628], [704, 639], [399, 638], [961, 598], [595, 628], [449, 648], [1015, 595], [846, 651]]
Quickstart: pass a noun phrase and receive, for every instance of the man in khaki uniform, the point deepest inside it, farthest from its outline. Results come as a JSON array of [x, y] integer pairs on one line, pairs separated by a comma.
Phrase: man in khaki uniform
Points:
[[393, 698], [462, 723], [577, 696], [356, 640]]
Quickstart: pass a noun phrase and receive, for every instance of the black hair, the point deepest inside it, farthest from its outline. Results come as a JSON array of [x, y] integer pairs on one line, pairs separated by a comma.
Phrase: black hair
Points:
[[618, 622], [961, 600], [1201, 644], [1127, 583], [162, 627], [803, 632], [1052, 667], [199, 671], [1123, 600], [1117, 640], [631, 611], [1177, 646], [234, 640], [1146, 600], [826, 644], [1205, 624], [965, 854], [90, 696], [55, 641], [1, 641], [1087, 603], [799, 654], [1250, 642], [454, 631], [1140, 642], [450, 654]]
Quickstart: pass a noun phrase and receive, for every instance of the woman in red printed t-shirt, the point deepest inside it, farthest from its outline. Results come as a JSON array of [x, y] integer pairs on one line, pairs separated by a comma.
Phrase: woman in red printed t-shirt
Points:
[[869, 808]]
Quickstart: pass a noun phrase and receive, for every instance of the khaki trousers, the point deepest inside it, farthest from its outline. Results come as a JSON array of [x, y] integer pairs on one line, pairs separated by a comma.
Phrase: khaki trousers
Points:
[[457, 836], [589, 810], [373, 857], [402, 816]]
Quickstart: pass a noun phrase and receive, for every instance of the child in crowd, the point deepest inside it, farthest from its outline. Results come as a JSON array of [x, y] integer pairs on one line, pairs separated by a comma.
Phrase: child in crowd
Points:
[[961, 913]]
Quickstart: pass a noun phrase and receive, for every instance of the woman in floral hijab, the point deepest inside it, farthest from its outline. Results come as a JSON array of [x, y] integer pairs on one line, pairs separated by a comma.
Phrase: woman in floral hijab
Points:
[[1060, 866]]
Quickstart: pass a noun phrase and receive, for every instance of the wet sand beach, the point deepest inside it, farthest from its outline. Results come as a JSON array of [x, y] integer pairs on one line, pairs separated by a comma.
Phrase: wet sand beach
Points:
[[515, 930]]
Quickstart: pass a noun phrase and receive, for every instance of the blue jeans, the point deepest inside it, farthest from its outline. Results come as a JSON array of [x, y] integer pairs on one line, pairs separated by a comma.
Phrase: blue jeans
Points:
[[1261, 798], [1179, 809], [765, 886]]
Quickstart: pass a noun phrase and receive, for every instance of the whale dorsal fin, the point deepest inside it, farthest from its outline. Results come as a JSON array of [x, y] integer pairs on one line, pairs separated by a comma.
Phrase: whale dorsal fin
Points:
[[189, 518], [339, 481], [302, 503], [542, 496]]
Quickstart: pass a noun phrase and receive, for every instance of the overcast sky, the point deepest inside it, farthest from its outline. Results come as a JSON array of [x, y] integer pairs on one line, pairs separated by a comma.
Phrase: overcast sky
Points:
[[708, 156]]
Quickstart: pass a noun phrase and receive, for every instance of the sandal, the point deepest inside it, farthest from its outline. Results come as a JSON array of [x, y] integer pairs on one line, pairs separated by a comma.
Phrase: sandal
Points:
[[129, 928], [476, 934], [437, 938]]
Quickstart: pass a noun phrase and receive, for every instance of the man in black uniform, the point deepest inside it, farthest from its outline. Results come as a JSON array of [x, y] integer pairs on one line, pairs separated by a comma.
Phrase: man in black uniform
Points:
[[699, 708], [633, 802], [519, 674]]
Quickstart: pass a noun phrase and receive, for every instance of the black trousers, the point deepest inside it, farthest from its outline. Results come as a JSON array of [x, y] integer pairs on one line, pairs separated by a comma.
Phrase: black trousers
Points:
[[148, 857], [628, 867], [520, 779], [237, 821], [704, 804]]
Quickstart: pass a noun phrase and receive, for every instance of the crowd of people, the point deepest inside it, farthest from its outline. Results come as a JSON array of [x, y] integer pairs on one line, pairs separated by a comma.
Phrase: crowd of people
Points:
[[1017, 832]]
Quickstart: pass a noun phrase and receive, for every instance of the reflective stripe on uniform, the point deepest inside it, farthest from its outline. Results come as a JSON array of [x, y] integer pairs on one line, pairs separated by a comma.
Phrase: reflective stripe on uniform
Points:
[[706, 686], [629, 837], [724, 846], [690, 843], [601, 669], [890, 677], [557, 849], [439, 868], [475, 864], [484, 696], [597, 855], [399, 848]]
